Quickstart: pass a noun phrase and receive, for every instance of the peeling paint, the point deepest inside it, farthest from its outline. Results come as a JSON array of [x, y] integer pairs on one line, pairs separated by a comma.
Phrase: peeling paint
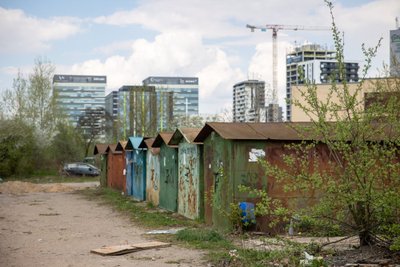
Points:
[[136, 169], [152, 178], [190, 180], [230, 167]]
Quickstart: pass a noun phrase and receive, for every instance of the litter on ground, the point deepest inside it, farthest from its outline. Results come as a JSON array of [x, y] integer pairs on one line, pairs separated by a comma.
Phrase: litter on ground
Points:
[[124, 249]]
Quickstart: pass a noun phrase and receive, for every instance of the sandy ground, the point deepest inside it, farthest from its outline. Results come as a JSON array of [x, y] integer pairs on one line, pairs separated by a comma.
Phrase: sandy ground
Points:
[[49, 225]]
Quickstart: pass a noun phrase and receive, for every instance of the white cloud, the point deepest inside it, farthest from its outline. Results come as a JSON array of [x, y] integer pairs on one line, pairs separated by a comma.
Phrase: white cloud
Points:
[[210, 18], [216, 82], [113, 48], [170, 54], [22, 33]]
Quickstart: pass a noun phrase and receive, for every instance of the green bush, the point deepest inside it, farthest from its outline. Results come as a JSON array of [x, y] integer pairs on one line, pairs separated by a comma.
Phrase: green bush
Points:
[[313, 227]]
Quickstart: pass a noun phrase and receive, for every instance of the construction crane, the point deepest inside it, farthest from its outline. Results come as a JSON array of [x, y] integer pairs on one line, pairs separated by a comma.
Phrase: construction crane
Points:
[[275, 28]]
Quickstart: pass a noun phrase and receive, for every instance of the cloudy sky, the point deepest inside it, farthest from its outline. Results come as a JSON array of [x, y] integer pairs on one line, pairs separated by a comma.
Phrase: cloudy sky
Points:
[[129, 40]]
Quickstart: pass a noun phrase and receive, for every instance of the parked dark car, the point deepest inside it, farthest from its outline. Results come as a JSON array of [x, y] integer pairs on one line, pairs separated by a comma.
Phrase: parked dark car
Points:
[[80, 168]]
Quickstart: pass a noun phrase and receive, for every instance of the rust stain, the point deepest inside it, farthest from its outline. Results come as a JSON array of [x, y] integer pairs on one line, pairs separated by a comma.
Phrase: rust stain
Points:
[[115, 166]]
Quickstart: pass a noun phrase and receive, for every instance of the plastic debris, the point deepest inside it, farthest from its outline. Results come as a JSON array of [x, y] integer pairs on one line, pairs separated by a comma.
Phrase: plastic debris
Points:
[[167, 231]]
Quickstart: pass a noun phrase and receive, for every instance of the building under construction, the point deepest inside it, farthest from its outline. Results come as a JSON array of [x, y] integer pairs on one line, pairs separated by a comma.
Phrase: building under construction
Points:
[[274, 113], [315, 64]]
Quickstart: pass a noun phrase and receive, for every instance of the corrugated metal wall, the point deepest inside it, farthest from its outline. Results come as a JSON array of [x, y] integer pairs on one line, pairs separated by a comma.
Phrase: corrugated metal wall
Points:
[[228, 164], [168, 178], [129, 166], [115, 167], [274, 152], [218, 189], [103, 170], [139, 174], [190, 180]]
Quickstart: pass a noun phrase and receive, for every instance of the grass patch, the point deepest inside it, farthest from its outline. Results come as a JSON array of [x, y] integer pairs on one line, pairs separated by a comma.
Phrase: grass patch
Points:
[[251, 257], [204, 239]]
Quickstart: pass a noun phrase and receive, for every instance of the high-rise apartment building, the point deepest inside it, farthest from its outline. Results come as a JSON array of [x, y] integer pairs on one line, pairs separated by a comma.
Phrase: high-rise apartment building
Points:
[[185, 91], [314, 64], [395, 51], [81, 98], [249, 101]]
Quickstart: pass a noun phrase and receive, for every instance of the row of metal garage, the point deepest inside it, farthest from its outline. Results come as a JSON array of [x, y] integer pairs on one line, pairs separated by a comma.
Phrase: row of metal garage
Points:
[[197, 171]]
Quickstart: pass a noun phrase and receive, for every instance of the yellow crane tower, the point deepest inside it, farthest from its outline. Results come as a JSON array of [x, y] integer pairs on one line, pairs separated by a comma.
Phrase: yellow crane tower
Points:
[[275, 28]]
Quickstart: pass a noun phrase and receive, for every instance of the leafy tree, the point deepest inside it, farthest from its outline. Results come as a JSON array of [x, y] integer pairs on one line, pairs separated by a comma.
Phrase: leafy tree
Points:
[[186, 121], [14, 102], [194, 121], [29, 114], [67, 144], [357, 179], [17, 148], [32, 99], [226, 115], [41, 107]]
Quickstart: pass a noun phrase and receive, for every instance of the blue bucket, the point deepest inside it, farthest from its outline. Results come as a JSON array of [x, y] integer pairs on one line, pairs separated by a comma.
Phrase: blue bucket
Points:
[[247, 213]]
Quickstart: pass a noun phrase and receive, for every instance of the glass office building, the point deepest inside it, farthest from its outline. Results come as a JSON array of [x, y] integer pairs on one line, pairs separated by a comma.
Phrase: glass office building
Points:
[[76, 95], [185, 92]]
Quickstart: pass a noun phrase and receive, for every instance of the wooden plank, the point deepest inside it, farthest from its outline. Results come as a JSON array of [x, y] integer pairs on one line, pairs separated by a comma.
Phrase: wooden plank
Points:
[[124, 249]]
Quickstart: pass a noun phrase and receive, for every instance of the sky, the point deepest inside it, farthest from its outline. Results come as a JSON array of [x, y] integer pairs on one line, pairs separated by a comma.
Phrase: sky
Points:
[[129, 41]]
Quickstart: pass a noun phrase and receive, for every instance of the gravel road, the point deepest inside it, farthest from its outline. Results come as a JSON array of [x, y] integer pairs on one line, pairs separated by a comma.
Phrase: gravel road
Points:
[[46, 228]]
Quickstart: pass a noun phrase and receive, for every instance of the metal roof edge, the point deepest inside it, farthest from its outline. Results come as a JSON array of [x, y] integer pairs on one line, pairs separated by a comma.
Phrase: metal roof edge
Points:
[[204, 133], [176, 137]]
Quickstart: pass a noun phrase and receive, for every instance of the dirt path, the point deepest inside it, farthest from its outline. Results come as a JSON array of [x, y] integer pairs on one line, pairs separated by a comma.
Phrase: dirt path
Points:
[[60, 229]]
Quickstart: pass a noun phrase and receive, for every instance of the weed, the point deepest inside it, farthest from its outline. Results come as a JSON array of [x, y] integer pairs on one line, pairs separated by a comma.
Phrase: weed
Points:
[[150, 205], [203, 238], [215, 243]]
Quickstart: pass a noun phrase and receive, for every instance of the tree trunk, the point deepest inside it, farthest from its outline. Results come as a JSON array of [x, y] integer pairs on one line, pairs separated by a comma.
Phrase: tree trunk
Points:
[[366, 238]]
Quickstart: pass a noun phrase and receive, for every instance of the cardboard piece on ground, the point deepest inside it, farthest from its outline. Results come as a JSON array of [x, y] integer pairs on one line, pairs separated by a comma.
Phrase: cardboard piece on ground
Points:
[[124, 249]]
